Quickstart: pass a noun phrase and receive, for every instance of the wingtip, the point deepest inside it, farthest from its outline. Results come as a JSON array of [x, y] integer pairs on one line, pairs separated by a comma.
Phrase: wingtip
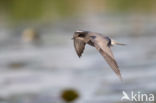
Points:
[[120, 77], [79, 56]]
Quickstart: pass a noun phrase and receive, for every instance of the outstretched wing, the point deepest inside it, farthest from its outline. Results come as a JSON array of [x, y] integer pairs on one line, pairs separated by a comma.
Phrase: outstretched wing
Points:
[[79, 46], [101, 45]]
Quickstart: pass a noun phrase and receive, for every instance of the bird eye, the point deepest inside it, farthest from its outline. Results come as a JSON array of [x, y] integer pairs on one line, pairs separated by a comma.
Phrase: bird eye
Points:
[[81, 35]]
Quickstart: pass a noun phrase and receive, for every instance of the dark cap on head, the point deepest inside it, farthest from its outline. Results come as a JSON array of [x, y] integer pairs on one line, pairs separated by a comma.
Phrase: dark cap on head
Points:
[[81, 32]]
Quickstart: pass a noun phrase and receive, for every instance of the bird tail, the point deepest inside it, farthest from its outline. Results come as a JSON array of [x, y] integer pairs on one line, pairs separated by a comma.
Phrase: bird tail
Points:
[[113, 42]]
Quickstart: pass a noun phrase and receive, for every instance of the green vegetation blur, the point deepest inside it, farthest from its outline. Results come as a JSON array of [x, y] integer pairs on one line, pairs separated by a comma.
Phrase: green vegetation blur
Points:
[[44, 10]]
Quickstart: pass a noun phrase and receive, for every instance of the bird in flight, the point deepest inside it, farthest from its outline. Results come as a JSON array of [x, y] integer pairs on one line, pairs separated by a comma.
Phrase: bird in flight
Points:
[[102, 43]]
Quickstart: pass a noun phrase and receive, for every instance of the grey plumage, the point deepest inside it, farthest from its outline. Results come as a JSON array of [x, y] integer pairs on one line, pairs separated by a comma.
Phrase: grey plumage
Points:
[[100, 42]]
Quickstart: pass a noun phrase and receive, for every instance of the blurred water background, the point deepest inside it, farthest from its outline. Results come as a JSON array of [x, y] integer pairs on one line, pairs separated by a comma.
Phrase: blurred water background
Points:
[[38, 60]]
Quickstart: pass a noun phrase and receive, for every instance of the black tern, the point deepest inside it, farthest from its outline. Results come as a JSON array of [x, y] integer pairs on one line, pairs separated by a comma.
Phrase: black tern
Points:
[[100, 42]]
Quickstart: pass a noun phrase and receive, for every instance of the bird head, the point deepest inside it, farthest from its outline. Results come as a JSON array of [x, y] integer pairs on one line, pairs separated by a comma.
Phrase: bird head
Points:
[[79, 33]]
